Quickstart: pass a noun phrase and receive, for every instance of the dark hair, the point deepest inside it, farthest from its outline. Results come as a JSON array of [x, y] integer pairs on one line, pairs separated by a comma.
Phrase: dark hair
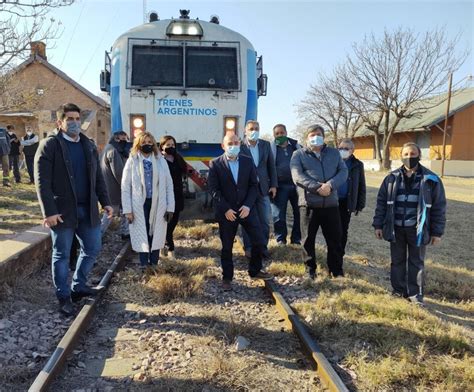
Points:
[[164, 139], [67, 107], [9, 127], [280, 126]]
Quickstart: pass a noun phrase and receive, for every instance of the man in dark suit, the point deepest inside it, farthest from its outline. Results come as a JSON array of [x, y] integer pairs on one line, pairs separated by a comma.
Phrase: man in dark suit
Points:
[[261, 153], [233, 186]]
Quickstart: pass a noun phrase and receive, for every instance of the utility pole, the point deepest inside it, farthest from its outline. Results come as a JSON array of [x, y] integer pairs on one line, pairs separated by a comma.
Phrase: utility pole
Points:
[[446, 123]]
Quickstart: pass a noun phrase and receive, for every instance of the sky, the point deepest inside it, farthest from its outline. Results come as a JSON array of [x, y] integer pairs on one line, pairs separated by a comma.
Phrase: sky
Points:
[[298, 39]]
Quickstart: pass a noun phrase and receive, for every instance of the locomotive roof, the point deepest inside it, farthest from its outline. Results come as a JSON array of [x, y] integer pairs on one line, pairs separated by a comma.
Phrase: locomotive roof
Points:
[[157, 30]]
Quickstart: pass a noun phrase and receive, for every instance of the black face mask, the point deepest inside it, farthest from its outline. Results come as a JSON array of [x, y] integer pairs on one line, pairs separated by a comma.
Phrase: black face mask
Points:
[[122, 143], [410, 163], [170, 150], [146, 148]]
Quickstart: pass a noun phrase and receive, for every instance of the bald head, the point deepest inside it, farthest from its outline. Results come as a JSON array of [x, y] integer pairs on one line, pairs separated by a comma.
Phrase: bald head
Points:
[[230, 139]]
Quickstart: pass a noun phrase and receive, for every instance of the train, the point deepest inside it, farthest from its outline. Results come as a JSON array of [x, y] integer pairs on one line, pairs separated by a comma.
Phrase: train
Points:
[[192, 79]]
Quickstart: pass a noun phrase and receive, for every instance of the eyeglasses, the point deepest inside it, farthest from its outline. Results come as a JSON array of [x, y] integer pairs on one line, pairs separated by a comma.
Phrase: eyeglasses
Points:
[[344, 148]]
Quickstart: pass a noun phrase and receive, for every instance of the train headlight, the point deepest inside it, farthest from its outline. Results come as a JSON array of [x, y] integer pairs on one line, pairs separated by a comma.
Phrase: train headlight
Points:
[[137, 123], [230, 124], [184, 27]]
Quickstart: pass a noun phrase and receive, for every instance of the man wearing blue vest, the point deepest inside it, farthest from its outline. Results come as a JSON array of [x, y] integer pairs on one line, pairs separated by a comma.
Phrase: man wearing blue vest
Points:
[[410, 213]]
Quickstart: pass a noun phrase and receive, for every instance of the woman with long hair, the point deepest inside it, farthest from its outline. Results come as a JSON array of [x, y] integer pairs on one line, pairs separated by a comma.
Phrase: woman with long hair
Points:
[[147, 198], [177, 167]]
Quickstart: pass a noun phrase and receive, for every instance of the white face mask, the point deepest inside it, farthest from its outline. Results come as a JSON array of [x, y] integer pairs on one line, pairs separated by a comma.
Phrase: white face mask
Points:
[[345, 154], [29, 133], [316, 140], [253, 135]]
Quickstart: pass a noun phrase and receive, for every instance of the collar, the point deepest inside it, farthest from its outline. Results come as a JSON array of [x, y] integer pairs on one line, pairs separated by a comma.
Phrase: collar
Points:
[[231, 160], [70, 139], [146, 158], [247, 142]]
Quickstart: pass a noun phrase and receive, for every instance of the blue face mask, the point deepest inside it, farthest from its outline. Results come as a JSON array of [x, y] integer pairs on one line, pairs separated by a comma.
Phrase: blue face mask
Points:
[[233, 151], [73, 128], [316, 140], [253, 135]]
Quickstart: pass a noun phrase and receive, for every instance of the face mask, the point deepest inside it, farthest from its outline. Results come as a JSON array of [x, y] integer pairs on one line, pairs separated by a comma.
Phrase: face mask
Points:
[[316, 140], [410, 163], [10, 132], [146, 148], [233, 151], [122, 143], [279, 140], [29, 133], [345, 154], [73, 128], [253, 135], [170, 151]]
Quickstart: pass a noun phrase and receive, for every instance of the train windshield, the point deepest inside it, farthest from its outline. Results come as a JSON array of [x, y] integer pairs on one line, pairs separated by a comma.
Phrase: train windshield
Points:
[[157, 66], [210, 67]]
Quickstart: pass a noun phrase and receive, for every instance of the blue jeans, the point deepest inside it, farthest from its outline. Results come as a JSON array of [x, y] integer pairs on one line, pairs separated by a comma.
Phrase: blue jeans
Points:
[[148, 258], [286, 193], [263, 209], [90, 242]]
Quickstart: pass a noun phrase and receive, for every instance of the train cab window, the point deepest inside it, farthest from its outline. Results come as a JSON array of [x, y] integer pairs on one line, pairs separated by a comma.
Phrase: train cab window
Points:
[[212, 68], [157, 66]]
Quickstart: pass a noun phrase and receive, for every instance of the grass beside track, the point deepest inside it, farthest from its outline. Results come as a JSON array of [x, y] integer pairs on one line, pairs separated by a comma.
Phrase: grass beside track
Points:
[[19, 209], [386, 343]]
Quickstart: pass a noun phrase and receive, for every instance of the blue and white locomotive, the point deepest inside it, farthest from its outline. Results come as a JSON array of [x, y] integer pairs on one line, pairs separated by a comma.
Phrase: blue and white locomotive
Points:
[[187, 78]]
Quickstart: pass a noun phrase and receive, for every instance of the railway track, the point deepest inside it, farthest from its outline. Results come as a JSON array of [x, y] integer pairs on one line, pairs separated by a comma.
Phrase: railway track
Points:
[[328, 378]]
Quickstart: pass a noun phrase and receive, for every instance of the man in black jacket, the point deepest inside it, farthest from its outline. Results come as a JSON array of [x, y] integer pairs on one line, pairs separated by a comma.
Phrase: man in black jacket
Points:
[[352, 193], [14, 155], [233, 185], [70, 185], [410, 213]]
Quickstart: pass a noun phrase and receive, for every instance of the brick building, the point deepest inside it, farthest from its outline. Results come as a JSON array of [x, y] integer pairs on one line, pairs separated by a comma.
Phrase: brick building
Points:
[[46, 88], [427, 131]]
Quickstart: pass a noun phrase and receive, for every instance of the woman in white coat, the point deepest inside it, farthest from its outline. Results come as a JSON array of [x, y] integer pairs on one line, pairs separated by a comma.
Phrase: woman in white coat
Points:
[[147, 198]]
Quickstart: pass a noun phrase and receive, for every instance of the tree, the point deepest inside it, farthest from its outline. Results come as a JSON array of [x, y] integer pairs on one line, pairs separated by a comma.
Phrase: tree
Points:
[[390, 78], [22, 22], [324, 104]]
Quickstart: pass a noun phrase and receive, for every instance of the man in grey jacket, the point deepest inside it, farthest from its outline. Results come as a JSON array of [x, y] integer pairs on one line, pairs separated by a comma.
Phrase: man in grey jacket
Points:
[[260, 152], [112, 162], [318, 170]]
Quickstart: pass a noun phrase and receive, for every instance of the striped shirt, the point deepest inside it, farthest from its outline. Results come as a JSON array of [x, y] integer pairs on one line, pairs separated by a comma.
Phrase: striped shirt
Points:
[[406, 202]]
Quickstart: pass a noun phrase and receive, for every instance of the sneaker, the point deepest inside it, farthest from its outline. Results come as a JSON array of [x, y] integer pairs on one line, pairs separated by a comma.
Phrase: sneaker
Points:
[[65, 307], [281, 243], [171, 255], [164, 252], [85, 292], [262, 275], [417, 300], [226, 285]]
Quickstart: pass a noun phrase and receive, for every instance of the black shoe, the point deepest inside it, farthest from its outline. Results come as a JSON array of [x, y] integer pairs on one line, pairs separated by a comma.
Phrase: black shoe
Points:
[[65, 307], [311, 273], [296, 242], [337, 274], [85, 292], [125, 236]]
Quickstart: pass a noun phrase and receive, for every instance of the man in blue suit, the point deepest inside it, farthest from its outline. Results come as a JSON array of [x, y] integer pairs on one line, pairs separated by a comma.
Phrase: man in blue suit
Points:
[[233, 185]]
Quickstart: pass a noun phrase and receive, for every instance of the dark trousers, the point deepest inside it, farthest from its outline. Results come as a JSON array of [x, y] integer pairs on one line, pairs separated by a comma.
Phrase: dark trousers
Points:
[[286, 193], [169, 231], [29, 160], [227, 232], [345, 220], [15, 166], [150, 258], [330, 222], [407, 274]]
